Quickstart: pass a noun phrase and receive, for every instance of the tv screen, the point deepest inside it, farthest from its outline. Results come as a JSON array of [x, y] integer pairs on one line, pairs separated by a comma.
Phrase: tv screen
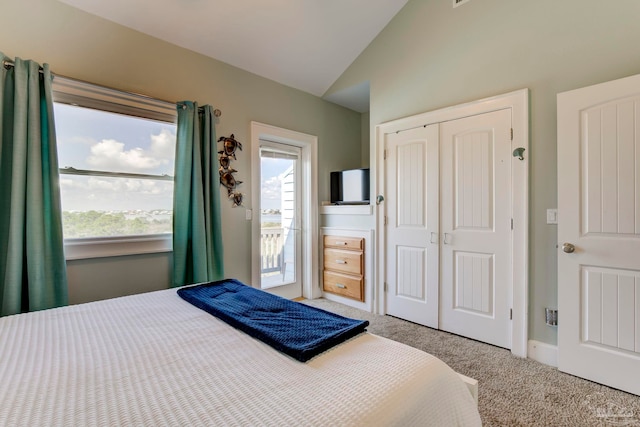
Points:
[[350, 187]]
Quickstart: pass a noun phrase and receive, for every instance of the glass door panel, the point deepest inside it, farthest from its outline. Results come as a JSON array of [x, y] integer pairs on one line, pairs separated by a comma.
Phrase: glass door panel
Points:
[[279, 216]]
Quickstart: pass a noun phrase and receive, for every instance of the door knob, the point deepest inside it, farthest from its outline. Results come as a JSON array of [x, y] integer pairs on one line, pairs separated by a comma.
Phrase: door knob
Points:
[[568, 248]]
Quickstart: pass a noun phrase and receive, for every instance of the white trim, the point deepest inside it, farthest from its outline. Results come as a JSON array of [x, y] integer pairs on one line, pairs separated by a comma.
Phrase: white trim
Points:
[[89, 95], [309, 226], [346, 209], [518, 102], [103, 247], [369, 271], [543, 353], [101, 98]]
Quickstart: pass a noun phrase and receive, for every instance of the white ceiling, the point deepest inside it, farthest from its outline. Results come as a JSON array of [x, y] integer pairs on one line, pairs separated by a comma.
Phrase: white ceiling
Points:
[[305, 44]]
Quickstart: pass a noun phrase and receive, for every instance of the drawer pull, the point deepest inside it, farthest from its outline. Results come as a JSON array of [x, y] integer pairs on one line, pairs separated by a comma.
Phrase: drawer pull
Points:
[[341, 286], [340, 243], [341, 261]]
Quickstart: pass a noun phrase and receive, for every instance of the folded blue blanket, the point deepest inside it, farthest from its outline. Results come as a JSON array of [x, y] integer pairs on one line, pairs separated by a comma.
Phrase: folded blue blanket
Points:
[[293, 328]]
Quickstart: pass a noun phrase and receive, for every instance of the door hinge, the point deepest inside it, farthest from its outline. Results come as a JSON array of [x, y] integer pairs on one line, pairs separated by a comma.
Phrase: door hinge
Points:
[[385, 286], [385, 220], [512, 134], [511, 314], [384, 155], [512, 223]]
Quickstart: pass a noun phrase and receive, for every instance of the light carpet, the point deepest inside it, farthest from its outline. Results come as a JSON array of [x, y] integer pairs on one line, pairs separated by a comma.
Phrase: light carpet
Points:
[[512, 391]]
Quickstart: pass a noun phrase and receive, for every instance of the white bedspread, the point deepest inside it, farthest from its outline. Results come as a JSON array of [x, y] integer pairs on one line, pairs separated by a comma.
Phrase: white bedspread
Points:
[[155, 360]]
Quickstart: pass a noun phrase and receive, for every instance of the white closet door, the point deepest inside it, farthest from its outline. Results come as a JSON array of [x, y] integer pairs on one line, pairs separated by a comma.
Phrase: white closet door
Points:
[[475, 197], [599, 233], [412, 225]]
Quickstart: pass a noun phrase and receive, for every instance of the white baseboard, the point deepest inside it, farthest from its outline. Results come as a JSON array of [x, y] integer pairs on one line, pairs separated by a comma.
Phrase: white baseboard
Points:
[[347, 301], [543, 353]]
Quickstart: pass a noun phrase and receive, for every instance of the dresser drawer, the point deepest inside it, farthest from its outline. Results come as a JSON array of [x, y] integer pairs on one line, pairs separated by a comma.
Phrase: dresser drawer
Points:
[[341, 284], [343, 261], [356, 243]]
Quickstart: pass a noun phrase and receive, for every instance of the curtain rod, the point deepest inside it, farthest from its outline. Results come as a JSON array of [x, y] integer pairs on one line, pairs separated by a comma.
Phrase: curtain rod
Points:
[[7, 64]]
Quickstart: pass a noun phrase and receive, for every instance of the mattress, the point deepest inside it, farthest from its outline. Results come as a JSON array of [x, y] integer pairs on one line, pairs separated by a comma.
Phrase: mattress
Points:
[[154, 359]]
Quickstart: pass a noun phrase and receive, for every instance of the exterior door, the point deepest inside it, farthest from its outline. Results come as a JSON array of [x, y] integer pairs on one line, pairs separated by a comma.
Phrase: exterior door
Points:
[[412, 225], [280, 206], [475, 215], [599, 233]]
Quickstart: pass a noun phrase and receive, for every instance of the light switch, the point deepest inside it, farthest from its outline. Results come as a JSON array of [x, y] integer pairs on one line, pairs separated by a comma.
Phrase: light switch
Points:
[[552, 216], [248, 214]]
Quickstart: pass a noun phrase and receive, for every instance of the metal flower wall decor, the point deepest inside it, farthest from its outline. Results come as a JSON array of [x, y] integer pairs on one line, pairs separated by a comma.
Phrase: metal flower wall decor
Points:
[[229, 146]]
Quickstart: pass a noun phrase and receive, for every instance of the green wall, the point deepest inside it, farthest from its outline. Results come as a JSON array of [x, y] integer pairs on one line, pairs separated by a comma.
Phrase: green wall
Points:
[[432, 56], [365, 137], [82, 46]]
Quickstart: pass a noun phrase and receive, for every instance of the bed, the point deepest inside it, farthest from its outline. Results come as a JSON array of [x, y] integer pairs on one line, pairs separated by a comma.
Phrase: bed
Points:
[[154, 359]]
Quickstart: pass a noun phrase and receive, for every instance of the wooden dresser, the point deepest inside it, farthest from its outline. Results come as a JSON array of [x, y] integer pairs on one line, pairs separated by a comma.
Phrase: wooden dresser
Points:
[[343, 270]]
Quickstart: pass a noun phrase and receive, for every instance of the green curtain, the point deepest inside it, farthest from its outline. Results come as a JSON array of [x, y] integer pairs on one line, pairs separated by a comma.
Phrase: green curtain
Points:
[[197, 231], [32, 265]]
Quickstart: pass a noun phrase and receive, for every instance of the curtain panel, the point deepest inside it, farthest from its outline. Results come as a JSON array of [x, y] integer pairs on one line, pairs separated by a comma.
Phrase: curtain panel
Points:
[[32, 264], [197, 230]]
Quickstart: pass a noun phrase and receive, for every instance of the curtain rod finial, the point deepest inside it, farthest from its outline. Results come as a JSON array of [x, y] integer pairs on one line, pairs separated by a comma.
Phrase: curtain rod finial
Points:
[[217, 112]]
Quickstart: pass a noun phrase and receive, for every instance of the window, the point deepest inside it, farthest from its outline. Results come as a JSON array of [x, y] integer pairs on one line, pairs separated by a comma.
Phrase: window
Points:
[[116, 156]]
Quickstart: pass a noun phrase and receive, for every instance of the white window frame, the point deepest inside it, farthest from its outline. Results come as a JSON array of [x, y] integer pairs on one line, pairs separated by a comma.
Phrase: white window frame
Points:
[[88, 95]]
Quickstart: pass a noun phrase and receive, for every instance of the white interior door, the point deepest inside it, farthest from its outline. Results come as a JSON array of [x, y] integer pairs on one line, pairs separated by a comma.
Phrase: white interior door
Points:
[[412, 225], [599, 233], [476, 243]]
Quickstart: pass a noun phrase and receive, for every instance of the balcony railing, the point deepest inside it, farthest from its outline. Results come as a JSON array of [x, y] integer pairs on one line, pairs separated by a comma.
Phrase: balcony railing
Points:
[[271, 243]]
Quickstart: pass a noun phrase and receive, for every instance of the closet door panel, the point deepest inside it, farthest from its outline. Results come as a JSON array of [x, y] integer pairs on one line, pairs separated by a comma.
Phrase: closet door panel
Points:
[[475, 197], [412, 253]]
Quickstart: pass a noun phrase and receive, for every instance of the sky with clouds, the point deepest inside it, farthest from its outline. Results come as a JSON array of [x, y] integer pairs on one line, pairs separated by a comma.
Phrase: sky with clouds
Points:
[[271, 169], [96, 140]]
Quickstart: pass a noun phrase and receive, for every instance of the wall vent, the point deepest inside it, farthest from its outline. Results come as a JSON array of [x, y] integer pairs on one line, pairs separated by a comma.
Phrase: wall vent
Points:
[[551, 316], [457, 3]]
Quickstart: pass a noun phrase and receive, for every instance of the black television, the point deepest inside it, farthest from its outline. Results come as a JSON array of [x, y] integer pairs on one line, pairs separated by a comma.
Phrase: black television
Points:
[[350, 187]]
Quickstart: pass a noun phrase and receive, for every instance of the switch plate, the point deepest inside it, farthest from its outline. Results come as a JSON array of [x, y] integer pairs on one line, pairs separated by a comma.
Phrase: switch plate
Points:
[[552, 216], [248, 214]]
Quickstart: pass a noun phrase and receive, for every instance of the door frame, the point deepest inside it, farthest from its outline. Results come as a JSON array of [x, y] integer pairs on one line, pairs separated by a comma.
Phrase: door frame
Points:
[[518, 102], [309, 214], [284, 288]]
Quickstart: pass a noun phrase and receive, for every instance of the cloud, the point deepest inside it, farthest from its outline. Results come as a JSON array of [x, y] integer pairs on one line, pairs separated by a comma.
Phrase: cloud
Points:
[[271, 189], [119, 187], [67, 182], [112, 155], [115, 194], [122, 187], [143, 186], [163, 145]]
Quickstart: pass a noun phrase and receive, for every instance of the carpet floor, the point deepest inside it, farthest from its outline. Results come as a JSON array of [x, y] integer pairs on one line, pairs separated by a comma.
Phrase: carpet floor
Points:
[[512, 391]]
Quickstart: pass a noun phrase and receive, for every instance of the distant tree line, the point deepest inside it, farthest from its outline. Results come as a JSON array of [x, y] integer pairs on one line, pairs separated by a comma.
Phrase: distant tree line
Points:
[[270, 224], [95, 223]]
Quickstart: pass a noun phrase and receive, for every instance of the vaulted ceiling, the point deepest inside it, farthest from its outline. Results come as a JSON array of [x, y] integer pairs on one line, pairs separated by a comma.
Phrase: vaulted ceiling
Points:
[[305, 44]]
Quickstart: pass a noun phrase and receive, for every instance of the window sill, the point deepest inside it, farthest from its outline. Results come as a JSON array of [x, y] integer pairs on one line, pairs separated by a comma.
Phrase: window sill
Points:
[[103, 247]]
